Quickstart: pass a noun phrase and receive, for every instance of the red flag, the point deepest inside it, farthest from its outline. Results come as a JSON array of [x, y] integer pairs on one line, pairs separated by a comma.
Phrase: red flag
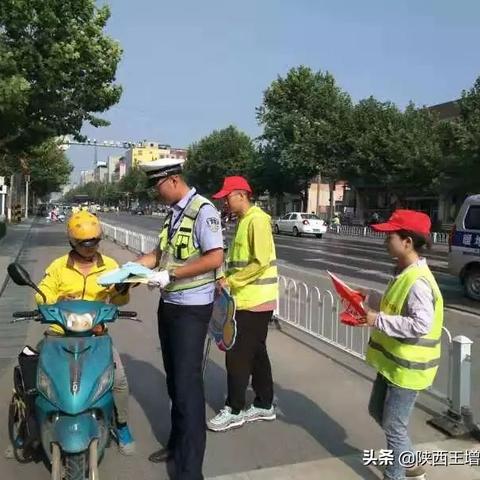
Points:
[[352, 301]]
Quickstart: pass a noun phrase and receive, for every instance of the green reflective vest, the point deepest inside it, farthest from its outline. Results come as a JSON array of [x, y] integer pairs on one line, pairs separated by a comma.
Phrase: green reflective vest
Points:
[[180, 249], [408, 362], [265, 287]]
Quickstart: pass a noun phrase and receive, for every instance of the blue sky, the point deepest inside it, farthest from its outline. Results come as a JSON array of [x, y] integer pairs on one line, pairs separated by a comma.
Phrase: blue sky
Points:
[[191, 66]]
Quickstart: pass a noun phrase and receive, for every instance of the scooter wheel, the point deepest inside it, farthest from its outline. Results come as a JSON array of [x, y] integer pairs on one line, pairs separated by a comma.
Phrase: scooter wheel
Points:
[[75, 467], [17, 428]]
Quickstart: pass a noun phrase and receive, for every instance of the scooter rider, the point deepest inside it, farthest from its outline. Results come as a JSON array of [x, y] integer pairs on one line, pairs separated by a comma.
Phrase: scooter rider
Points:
[[74, 277]]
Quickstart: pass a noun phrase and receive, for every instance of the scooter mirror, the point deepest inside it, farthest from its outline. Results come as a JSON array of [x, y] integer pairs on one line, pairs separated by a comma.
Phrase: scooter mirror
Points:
[[19, 275]]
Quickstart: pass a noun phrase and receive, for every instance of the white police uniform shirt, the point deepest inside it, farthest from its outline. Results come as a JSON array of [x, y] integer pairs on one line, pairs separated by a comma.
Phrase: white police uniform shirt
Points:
[[207, 236]]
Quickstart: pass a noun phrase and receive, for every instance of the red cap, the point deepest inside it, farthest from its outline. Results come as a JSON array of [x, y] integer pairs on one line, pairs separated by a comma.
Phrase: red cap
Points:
[[410, 220], [230, 184]]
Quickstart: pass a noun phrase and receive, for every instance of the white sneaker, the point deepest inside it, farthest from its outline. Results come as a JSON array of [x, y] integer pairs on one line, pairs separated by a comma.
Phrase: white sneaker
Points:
[[225, 420], [254, 414]]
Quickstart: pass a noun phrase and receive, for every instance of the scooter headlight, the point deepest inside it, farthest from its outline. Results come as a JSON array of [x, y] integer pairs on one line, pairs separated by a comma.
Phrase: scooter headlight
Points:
[[104, 384], [45, 386], [79, 322]]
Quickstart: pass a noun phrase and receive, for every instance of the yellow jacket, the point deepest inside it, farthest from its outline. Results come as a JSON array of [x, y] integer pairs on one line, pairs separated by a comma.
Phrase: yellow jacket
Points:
[[63, 279], [251, 262]]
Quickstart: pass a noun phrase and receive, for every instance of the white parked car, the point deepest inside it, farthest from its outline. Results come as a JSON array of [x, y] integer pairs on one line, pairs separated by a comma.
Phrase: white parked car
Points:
[[300, 223]]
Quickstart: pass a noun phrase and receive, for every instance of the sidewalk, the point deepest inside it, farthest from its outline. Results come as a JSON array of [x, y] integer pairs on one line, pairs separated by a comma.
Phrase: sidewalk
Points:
[[350, 468], [10, 246], [322, 426], [11, 336]]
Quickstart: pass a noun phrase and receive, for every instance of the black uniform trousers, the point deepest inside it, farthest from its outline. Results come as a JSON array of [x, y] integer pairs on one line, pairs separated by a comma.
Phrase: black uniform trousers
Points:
[[182, 330]]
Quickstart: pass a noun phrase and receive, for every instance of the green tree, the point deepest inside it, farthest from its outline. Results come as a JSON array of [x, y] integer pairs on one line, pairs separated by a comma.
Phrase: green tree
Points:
[[49, 169], [393, 150], [306, 119], [135, 184], [460, 142], [222, 153], [95, 191], [47, 165], [86, 189], [57, 70]]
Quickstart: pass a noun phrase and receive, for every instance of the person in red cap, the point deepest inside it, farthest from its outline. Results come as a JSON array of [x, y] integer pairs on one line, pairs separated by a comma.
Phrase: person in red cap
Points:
[[404, 347], [251, 276]]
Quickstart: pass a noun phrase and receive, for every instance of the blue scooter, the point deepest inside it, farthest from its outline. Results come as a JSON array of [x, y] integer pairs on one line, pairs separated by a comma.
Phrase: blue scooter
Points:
[[62, 399]]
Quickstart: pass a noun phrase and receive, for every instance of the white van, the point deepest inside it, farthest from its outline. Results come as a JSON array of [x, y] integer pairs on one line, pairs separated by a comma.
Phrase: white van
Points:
[[464, 247]]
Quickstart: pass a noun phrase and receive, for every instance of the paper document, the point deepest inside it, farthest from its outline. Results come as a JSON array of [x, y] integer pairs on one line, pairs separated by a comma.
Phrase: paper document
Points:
[[131, 272]]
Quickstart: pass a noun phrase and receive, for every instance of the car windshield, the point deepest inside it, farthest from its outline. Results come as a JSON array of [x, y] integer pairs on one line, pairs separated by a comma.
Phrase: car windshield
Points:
[[309, 216]]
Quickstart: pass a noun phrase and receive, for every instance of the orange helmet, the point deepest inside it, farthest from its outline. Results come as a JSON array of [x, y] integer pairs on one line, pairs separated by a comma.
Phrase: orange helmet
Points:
[[84, 226]]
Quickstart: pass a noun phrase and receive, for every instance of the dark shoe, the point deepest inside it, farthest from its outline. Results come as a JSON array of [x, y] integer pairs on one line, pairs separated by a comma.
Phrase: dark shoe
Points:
[[160, 456]]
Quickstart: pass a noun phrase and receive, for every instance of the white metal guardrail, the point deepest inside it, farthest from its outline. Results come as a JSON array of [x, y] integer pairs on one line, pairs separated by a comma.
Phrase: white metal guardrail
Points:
[[316, 312], [135, 241], [439, 238]]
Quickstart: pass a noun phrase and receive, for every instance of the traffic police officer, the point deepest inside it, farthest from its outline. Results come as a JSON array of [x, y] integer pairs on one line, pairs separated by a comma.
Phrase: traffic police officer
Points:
[[189, 256]]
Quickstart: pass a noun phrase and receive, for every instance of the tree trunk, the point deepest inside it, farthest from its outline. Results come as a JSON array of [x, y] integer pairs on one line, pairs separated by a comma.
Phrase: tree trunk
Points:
[[360, 205], [331, 212], [278, 205], [305, 198]]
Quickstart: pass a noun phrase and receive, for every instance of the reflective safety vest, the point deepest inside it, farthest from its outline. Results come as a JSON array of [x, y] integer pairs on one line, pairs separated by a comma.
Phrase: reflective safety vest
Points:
[[408, 362], [264, 288], [180, 249]]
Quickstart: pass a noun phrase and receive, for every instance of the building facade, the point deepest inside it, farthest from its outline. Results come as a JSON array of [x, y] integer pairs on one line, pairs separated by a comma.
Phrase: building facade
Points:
[[86, 176], [146, 152], [120, 170], [112, 163]]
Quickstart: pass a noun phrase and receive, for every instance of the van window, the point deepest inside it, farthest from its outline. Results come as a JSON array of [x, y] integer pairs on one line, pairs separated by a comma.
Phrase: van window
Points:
[[472, 220]]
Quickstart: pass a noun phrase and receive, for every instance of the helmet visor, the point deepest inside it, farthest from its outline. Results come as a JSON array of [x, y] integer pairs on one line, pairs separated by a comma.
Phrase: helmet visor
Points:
[[91, 242]]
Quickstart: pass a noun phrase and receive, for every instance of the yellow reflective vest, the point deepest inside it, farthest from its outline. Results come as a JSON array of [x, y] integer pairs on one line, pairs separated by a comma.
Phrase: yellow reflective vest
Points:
[[408, 362], [252, 262], [181, 249]]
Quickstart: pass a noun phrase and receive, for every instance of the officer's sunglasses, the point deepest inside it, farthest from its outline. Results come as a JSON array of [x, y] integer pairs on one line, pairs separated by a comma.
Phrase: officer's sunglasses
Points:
[[155, 182]]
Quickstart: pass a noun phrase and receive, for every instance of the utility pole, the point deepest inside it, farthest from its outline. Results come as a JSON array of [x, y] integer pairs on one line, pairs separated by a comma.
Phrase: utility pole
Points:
[[3, 191], [319, 182], [10, 199]]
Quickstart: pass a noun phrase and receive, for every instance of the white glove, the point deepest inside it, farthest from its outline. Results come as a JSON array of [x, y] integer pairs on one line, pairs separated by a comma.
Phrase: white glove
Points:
[[159, 279]]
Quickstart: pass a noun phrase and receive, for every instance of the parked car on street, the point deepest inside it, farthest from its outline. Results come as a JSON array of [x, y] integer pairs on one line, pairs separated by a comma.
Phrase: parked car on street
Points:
[[464, 247], [299, 223]]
